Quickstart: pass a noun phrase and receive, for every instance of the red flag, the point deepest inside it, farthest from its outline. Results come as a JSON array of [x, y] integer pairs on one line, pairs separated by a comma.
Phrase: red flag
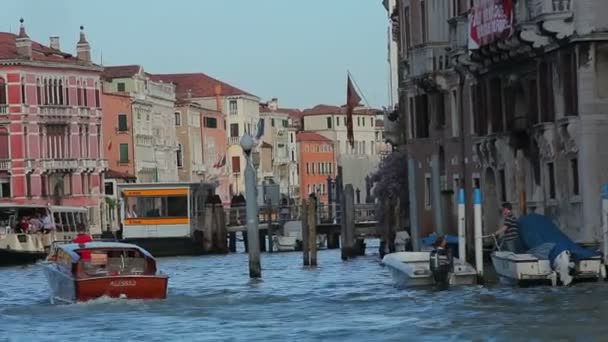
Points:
[[221, 163], [352, 101], [110, 145]]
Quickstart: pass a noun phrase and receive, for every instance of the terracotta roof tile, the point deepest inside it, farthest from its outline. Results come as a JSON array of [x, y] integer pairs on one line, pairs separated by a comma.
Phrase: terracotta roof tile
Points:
[[120, 71], [309, 136], [200, 85], [40, 53], [323, 109]]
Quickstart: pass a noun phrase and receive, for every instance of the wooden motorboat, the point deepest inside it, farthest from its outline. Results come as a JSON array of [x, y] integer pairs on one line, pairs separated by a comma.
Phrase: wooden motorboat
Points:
[[81, 272]]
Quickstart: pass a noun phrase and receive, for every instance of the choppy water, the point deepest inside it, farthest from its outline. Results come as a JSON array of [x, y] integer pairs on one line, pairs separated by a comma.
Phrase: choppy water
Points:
[[212, 299]]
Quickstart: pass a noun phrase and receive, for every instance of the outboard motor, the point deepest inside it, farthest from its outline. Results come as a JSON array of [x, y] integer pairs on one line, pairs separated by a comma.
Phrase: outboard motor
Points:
[[564, 267], [441, 266]]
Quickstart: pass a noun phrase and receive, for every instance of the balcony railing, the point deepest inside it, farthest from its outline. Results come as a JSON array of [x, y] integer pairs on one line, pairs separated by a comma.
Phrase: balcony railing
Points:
[[3, 109], [59, 164], [88, 163], [235, 140], [55, 110], [102, 164], [5, 164], [161, 90], [29, 164], [428, 59], [542, 7]]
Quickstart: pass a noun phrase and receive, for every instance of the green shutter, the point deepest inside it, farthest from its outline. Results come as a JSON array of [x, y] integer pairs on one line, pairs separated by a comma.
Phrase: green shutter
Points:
[[124, 153]]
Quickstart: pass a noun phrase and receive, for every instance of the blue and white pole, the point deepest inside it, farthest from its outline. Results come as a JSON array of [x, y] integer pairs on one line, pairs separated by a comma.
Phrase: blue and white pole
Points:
[[478, 232], [461, 227]]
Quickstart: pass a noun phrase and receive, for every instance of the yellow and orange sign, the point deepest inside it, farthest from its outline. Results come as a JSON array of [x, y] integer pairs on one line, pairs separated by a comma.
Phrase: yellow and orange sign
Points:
[[150, 221], [156, 192]]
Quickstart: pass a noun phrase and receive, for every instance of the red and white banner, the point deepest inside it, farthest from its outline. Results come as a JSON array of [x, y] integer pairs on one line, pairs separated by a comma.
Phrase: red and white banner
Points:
[[489, 21]]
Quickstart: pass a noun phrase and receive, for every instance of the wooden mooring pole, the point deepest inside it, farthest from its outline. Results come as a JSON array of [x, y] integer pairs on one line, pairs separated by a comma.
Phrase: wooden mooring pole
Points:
[[304, 230], [269, 220], [312, 232], [348, 223]]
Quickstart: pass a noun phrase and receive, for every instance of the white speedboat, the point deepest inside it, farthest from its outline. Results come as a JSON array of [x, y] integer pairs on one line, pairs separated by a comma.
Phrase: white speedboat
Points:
[[413, 269], [292, 236], [519, 269]]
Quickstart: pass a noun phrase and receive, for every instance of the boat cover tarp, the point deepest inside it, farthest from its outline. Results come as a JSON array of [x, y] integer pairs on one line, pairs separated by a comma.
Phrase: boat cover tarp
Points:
[[538, 232]]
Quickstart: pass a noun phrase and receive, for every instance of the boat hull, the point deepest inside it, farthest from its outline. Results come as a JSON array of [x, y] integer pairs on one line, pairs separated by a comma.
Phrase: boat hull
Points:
[[168, 247], [522, 269], [412, 269], [128, 287], [66, 289], [10, 257]]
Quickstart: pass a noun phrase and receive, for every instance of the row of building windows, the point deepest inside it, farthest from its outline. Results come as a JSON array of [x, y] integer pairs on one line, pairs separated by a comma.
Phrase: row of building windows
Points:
[[51, 185], [360, 121], [51, 92], [325, 168], [550, 183], [320, 189], [496, 107], [318, 148]]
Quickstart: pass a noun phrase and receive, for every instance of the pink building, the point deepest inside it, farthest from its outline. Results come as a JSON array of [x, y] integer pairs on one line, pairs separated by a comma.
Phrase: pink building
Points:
[[50, 124]]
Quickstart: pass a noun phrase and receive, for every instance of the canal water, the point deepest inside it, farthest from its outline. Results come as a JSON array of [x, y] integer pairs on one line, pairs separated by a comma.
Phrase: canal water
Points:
[[212, 299]]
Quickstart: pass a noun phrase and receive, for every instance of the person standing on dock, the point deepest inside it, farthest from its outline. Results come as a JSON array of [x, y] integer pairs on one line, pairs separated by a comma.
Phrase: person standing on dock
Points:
[[509, 229]]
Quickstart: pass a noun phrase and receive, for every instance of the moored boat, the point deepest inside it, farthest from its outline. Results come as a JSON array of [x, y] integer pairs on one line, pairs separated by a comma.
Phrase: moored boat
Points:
[[414, 269], [81, 272], [550, 256]]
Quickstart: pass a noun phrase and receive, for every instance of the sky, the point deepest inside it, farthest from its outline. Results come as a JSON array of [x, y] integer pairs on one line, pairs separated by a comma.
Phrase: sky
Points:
[[298, 51]]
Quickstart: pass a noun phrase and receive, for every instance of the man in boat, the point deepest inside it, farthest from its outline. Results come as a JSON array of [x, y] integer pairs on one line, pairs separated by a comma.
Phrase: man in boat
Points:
[[81, 239], [47, 222], [82, 236], [441, 263], [509, 230]]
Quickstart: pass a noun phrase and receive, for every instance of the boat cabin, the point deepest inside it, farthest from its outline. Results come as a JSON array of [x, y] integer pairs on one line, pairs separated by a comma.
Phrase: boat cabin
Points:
[[102, 259]]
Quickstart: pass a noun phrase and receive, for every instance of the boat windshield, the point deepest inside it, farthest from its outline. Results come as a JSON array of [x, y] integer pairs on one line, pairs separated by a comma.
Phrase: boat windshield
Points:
[[100, 262]]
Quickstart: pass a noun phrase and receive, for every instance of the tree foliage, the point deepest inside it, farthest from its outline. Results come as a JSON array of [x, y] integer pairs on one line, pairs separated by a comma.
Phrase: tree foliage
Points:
[[391, 177], [390, 183]]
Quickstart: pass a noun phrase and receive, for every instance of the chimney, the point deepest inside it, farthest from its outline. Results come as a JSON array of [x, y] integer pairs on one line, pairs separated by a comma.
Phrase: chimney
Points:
[[23, 42], [218, 99], [54, 42], [83, 49], [273, 104]]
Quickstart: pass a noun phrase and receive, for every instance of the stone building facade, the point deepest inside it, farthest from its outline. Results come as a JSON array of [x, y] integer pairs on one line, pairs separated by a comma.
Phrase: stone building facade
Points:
[[513, 104], [50, 125]]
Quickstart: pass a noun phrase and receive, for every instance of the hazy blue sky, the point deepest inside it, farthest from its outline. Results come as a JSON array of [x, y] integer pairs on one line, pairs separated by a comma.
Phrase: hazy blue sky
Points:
[[296, 50]]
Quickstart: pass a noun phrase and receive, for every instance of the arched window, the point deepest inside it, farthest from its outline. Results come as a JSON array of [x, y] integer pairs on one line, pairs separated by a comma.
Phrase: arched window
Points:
[[3, 92], [4, 153], [61, 92], [55, 93], [67, 93], [46, 91], [78, 91], [23, 95], [84, 94], [38, 92], [97, 96]]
